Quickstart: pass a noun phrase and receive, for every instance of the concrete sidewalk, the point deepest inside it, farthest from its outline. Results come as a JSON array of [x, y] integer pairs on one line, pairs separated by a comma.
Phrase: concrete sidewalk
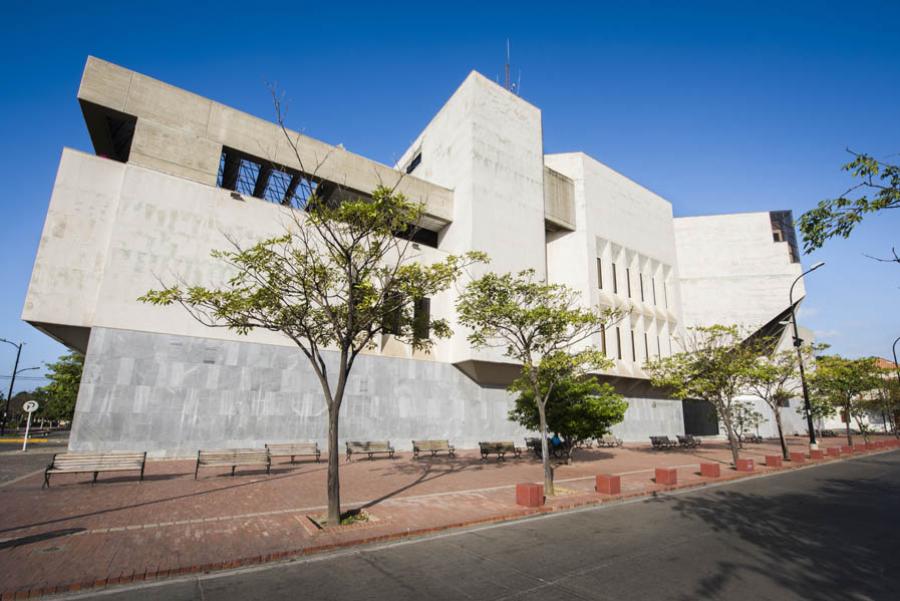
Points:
[[75, 535]]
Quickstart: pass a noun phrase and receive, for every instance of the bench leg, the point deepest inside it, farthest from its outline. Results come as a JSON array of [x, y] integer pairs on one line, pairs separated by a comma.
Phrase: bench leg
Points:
[[95, 478]]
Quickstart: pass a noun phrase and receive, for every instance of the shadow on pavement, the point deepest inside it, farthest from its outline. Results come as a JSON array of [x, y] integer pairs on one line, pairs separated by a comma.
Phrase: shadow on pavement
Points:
[[792, 541]]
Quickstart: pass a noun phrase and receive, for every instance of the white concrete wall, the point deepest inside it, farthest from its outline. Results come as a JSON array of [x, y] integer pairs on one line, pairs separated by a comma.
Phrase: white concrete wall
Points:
[[486, 145], [732, 271], [113, 230], [620, 222]]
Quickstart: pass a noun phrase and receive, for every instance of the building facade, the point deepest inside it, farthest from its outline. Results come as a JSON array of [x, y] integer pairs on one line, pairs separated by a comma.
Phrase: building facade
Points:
[[175, 175]]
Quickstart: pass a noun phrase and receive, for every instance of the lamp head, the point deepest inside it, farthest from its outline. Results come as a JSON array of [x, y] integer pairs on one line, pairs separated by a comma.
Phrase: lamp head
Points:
[[817, 265]]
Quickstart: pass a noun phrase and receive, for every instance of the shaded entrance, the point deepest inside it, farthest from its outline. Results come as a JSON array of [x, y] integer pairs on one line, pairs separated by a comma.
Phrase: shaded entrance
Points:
[[700, 418]]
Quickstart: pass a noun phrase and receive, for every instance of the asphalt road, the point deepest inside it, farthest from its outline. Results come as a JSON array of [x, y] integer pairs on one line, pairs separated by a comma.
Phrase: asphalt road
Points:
[[14, 463], [830, 532]]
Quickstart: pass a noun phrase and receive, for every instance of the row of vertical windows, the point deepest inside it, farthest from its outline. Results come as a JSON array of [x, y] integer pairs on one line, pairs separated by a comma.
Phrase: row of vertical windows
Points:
[[633, 345], [615, 284]]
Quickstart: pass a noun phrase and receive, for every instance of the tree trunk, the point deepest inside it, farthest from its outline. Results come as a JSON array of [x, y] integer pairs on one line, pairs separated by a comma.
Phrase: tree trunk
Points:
[[732, 440], [334, 458], [847, 422], [545, 451], [784, 449]]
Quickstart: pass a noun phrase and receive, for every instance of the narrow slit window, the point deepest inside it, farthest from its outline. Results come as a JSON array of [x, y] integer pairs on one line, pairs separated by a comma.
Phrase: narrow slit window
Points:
[[414, 163], [603, 340], [628, 282], [633, 350], [653, 285], [641, 280], [666, 294], [618, 343], [599, 274], [646, 348], [658, 348], [615, 280]]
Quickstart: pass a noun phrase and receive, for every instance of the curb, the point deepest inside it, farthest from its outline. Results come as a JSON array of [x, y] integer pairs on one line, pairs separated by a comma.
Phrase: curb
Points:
[[155, 574]]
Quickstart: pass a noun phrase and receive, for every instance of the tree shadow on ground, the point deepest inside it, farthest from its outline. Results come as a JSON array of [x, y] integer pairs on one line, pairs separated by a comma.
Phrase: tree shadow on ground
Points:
[[38, 538], [835, 543]]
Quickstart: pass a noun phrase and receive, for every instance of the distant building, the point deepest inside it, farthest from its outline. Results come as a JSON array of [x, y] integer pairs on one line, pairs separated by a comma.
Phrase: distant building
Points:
[[175, 173]]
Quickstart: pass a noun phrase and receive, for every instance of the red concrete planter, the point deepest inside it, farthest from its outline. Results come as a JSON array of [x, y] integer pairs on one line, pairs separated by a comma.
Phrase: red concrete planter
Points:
[[869, 446], [798, 457], [710, 470], [608, 484], [774, 461], [834, 452], [529, 494], [744, 465], [846, 449], [817, 454], [666, 476]]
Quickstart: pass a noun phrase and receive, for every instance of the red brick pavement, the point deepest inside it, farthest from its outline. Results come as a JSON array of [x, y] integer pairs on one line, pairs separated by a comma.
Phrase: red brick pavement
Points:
[[75, 535]]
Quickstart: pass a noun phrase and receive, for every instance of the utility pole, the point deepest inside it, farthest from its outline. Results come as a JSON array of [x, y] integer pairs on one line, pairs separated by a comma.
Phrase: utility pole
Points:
[[12, 382]]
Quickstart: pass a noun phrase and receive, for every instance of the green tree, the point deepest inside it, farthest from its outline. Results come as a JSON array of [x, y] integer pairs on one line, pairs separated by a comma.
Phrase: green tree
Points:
[[846, 384], [57, 399], [774, 379], [578, 409], [542, 326], [714, 367], [333, 283], [888, 399], [878, 189]]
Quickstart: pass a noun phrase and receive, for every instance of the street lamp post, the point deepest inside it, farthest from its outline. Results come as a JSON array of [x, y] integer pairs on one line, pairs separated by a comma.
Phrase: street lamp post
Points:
[[12, 381], [813, 444]]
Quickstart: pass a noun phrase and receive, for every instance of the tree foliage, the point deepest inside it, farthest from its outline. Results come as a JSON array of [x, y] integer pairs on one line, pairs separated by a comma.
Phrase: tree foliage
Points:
[[878, 189], [57, 399], [846, 384], [544, 327], [713, 367], [333, 283], [578, 409], [774, 379]]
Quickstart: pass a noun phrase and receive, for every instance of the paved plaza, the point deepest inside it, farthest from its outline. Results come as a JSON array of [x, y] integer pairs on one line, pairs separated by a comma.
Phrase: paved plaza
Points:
[[77, 535]]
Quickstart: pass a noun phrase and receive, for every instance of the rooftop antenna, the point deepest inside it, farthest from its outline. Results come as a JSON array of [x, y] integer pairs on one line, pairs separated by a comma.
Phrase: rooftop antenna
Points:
[[506, 85]]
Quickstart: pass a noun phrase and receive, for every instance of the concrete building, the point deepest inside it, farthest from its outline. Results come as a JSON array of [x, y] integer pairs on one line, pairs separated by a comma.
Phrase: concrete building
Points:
[[175, 175]]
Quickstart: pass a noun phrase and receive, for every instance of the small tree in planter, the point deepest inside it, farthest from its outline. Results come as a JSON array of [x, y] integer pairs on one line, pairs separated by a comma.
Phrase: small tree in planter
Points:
[[542, 326], [775, 380], [714, 367]]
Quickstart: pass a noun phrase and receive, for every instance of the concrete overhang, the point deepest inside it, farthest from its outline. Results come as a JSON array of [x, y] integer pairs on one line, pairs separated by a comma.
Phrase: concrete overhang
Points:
[[181, 133], [559, 201]]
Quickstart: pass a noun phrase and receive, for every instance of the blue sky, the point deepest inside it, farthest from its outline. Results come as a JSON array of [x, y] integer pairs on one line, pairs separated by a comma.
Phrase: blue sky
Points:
[[718, 106]]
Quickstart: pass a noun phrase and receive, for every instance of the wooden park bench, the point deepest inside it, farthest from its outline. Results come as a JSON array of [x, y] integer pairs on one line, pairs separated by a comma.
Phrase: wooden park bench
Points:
[[688, 441], [498, 448], [295, 449], [84, 463], [233, 458], [608, 440], [432, 446], [369, 448], [661, 443]]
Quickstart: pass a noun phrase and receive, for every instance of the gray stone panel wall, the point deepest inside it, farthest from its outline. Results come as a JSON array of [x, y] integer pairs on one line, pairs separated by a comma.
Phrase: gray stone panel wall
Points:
[[171, 395]]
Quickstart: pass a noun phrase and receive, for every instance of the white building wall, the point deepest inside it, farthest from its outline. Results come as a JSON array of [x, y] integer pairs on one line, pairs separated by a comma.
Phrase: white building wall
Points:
[[626, 225], [732, 271]]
